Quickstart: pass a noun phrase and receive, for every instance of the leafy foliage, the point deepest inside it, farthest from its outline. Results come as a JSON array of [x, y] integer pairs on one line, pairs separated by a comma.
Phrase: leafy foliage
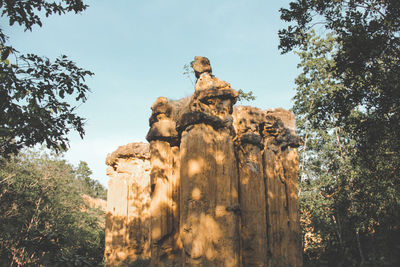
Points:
[[25, 12], [366, 63], [34, 91], [44, 221], [188, 73], [249, 96], [350, 195], [86, 184], [44, 218]]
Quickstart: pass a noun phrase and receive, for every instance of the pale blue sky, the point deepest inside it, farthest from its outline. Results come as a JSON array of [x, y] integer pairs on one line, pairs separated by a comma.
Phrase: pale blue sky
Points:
[[137, 50]]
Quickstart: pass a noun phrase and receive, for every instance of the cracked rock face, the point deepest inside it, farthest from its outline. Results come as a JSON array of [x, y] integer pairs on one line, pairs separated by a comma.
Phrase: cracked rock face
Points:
[[223, 181], [128, 199]]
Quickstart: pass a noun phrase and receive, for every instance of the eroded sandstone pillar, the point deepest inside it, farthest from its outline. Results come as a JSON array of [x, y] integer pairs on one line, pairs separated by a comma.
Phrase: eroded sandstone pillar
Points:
[[165, 241], [128, 200], [209, 207], [253, 230], [280, 162]]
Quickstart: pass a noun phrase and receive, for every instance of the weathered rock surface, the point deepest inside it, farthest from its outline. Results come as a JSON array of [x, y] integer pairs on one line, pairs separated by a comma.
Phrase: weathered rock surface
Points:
[[95, 203], [128, 200], [223, 184], [209, 208], [164, 208], [280, 162], [207, 81], [201, 65], [252, 190]]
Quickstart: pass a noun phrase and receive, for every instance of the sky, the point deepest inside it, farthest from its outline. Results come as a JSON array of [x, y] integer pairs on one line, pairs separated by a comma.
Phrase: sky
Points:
[[137, 50]]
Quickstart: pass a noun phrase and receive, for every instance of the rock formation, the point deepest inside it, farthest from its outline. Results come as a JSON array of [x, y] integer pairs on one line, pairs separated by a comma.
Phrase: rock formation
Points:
[[164, 206], [128, 199], [223, 182]]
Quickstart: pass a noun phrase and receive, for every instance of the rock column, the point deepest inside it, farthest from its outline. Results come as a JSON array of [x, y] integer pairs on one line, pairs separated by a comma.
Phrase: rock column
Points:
[[165, 242], [253, 230], [128, 200], [280, 162], [209, 206]]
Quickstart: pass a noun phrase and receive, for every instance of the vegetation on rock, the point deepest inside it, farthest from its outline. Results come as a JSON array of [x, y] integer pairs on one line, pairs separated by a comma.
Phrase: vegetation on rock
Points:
[[189, 73]]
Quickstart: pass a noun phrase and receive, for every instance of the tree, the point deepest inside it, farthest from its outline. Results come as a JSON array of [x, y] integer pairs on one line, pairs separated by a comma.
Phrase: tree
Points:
[[329, 182], [86, 184], [44, 220], [347, 109], [366, 63], [33, 89]]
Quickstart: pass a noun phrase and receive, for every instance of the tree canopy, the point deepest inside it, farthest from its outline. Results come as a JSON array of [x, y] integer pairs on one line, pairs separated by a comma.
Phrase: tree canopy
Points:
[[366, 60], [44, 219], [86, 184], [347, 106], [25, 12], [36, 92]]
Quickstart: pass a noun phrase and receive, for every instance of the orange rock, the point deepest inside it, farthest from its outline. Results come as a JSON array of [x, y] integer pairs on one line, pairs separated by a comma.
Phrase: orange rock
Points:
[[128, 199], [217, 186]]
